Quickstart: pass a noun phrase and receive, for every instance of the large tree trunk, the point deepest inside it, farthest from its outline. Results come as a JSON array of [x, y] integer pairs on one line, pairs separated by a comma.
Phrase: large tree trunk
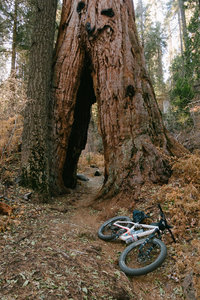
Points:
[[99, 58], [35, 139]]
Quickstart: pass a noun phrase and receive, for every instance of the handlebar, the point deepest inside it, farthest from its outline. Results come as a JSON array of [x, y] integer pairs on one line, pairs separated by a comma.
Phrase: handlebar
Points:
[[166, 225]]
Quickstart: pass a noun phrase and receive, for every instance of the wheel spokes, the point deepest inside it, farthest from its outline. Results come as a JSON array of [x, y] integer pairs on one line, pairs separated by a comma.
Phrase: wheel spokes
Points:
[[138, 259]]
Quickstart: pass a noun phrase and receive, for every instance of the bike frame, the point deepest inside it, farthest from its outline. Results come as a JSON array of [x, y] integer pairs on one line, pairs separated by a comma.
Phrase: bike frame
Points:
[[131, 233]]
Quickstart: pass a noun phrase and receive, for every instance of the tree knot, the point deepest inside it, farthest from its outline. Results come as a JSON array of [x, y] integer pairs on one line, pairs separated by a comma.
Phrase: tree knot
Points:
[[130, 91], [80, 6], [108, 12]]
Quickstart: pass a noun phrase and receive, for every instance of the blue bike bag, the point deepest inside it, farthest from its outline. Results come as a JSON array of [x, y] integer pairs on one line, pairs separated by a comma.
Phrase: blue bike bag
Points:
[[139, 216]]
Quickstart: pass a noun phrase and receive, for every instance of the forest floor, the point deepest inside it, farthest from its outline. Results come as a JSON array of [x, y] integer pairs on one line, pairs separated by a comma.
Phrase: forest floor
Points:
[[52, 251]]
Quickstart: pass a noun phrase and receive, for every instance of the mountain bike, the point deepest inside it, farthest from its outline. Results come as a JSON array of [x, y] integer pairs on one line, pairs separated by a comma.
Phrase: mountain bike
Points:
[[143, 255]]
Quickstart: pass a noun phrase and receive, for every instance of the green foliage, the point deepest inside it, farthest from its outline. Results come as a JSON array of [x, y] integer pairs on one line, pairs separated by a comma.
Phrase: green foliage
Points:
[[154, 46], [176, 120], [153, 39], [193, 48], [185, 72], [142, 19], [177, 68], [23, 32], [5, 24], [182, 93], [25, 14]]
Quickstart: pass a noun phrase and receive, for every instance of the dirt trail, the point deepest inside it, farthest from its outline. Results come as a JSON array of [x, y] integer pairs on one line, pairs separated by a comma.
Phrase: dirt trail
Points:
[[52, 252]]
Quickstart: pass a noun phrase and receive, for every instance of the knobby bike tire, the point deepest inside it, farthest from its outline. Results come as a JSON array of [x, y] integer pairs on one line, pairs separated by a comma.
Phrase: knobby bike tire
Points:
[[136, 271], [108, 225]]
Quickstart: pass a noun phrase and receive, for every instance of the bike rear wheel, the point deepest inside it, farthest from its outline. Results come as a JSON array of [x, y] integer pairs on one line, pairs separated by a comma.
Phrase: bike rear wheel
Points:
[[108, 231], [134, 262]]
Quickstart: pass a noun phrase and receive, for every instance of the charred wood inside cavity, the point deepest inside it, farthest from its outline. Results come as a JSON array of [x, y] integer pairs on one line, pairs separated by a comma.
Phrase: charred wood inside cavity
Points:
[[80, 6], [78, 137], [130, 91], [108, 12]]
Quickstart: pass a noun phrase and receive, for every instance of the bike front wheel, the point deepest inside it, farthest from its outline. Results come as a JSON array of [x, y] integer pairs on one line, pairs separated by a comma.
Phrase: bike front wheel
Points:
[[108, 231], [138, 260]]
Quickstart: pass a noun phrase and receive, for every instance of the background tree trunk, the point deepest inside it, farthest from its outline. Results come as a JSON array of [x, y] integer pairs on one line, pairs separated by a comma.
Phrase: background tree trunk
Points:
[[141, 11], [14, 38], [98, 41], [35, 139], [183, 22]]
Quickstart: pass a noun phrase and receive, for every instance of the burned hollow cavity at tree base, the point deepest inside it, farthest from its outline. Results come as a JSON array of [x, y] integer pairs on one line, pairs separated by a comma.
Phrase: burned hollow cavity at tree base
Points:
[[78, 136]]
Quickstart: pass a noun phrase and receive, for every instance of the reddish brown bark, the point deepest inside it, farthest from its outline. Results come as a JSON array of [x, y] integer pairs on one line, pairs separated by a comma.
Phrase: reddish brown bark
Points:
[[98, 42]]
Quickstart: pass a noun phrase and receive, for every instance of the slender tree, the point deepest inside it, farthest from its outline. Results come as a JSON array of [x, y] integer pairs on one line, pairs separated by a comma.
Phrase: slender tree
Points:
[[153, 51], [14, 37], [183, 24], [15, 32], [192, 53], [141, 20]]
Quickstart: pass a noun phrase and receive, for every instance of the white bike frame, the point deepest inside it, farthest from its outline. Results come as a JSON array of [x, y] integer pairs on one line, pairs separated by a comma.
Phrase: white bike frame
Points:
[[136, 231]]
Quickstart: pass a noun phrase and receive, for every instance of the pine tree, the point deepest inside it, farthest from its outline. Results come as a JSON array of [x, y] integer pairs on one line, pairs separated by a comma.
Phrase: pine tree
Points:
[[153, 40], [35, 139], [15, 35]]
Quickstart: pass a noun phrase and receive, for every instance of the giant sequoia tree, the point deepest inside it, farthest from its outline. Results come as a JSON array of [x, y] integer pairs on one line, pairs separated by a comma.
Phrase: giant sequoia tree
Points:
[[98, 59]]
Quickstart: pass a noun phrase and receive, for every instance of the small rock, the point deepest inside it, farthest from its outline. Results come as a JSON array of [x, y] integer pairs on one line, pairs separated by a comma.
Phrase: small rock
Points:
[[82, 177], [27, 196], [97, 173], [18, 179]]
